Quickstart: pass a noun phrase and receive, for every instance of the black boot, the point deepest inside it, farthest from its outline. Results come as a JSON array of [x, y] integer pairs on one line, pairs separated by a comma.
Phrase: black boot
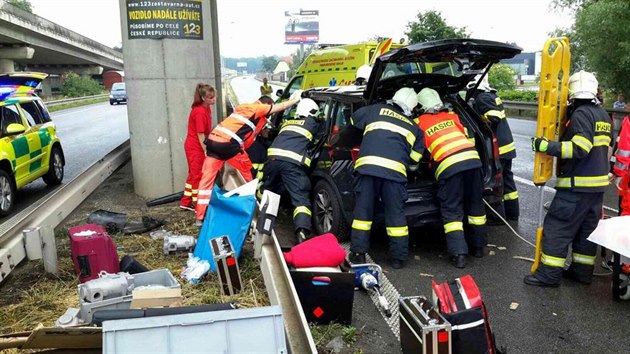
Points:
[[356, 258], [532, 280], [477, 252], [459, 261], [397, 263]]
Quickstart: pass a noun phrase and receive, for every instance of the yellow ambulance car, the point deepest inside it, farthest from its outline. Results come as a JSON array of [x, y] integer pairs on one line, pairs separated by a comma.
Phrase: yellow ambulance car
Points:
[[335, 66], [29, 145]]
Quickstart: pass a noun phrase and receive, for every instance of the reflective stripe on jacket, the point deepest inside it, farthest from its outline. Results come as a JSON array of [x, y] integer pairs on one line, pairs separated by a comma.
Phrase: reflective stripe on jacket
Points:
[[447, 143], [391, 142], [294, 139], [490, 106], [583, 150], [622, 155], [243, 124]]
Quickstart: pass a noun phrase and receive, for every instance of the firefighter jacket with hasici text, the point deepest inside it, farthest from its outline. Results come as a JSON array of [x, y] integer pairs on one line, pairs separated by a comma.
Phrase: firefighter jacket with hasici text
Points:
[[583, 150], [294, 139], [490, 106], [445, 139], [391, 141]]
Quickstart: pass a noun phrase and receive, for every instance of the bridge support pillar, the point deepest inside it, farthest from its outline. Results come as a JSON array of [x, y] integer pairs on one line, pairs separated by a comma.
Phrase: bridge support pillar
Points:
[[165, 58], [7, 66]]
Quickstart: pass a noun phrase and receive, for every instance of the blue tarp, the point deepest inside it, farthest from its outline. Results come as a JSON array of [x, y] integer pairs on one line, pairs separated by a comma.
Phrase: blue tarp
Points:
[[225, 216]]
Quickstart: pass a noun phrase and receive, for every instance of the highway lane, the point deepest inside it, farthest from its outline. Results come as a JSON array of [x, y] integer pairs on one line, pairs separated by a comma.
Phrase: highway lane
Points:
[[247, 89], [87, 133], [571, 318]]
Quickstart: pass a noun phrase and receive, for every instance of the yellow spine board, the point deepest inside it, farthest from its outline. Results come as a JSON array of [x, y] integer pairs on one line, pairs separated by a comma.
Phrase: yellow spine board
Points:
[[552, 101]]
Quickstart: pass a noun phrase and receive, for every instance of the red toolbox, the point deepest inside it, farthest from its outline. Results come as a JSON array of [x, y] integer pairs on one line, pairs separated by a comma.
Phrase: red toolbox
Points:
[[460, 303], [92, 251]]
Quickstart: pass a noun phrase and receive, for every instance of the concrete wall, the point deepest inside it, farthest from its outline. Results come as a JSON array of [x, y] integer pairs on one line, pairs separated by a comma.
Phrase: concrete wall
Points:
[[161, 75]]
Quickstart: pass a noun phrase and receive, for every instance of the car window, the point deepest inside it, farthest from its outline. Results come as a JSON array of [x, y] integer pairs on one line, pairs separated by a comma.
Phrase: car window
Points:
[[400, 69], [44, 112], [296, 84], [342, 116], [118, 86], [32, 114], [9, 115]]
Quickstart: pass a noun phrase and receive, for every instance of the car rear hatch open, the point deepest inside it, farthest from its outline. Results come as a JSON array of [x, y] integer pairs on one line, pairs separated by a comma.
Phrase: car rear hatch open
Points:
[[445, 65]]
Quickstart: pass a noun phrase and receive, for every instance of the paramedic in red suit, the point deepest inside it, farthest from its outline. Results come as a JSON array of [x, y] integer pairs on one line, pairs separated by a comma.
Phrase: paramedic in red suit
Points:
[[229, 140], [199, 125], [622, 167]]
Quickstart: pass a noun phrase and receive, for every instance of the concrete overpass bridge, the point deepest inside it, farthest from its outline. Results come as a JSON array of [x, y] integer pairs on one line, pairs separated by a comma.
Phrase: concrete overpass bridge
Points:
[[36, 44]]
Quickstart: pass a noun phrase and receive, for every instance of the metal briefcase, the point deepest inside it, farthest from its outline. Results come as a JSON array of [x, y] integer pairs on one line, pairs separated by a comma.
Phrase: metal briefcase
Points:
[[227, 265], [422, 328]]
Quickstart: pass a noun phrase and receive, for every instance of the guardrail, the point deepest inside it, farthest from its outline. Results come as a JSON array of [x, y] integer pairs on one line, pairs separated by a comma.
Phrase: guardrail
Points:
[[532, 106], [74, 99]]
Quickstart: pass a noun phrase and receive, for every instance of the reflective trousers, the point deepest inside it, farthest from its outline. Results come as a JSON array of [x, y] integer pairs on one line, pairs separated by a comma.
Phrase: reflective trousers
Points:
[[283, 175], [570, 220], [211, 167], [195, 158], [368, 190], [459, 195], [510, 195]]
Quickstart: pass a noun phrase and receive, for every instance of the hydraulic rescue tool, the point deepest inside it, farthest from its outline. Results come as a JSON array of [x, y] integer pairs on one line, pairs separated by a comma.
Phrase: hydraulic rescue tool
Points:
[[366, 277], [552, 109]]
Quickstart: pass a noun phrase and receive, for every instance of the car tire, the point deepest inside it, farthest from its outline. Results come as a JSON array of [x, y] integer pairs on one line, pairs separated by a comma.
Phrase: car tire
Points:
[[54, 176], [111, 103], [7, 193], [328, 213]]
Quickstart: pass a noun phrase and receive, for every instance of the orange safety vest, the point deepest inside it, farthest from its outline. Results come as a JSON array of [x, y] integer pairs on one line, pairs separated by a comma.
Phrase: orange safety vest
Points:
[[243, 124], [443, 134], [445, 139]]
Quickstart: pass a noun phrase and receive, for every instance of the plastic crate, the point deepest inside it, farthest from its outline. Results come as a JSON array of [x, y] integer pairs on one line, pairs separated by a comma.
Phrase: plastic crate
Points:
[[253, 330]]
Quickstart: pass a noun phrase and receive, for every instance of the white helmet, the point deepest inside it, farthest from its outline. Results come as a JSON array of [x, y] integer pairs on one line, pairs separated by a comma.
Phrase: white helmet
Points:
[[406, 98], [364, 72], [307, 108], [582, 85], [484, 85], [429, 99]]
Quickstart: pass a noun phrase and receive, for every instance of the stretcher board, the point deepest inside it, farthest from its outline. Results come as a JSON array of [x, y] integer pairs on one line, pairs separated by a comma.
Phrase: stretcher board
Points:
[[552, 101], [552, 115]]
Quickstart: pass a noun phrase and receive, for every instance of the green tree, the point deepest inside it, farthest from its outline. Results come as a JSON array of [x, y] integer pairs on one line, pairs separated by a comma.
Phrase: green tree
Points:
[[269, 63], [603, 35], [431, 26], [77, 86], [299, 59], [22, 4], [501, 77]]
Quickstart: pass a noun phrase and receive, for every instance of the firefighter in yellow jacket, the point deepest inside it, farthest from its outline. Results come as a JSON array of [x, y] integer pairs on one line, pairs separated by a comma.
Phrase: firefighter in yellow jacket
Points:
[[458, 173]]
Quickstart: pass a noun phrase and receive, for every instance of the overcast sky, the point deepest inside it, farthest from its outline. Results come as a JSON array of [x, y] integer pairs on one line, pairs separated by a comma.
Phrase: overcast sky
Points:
[[254, 27]]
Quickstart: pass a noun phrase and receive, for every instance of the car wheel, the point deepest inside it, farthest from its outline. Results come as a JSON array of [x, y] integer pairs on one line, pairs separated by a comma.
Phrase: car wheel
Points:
[[111, 103], [54, 176], [7, 193], [328, 213]]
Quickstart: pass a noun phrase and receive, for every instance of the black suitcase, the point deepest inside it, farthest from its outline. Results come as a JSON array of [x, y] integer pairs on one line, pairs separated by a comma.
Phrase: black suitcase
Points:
[[422, 329]]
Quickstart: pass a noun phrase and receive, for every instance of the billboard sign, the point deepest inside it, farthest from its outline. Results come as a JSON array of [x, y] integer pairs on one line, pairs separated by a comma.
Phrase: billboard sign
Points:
[[241, 64], [301, 26], [164, 19]]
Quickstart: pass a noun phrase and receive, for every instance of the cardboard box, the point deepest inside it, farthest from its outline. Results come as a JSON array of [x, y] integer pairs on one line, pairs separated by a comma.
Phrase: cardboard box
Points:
[[326, 295], [159, 297]]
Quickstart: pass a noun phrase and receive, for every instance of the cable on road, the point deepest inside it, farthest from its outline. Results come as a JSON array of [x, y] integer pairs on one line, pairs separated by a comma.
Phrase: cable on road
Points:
[[526, 241]]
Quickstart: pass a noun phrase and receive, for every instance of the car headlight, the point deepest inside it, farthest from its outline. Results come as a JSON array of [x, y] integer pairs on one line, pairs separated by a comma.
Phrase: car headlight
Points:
[[111, 96]]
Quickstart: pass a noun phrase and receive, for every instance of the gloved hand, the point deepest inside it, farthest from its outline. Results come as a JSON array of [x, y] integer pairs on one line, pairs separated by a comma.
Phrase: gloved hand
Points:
[[617, 182], [413, 168], [540, 144], [296, 95]]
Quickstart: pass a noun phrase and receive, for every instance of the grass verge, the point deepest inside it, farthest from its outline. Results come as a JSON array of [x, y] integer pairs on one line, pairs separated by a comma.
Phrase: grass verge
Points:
[[60, 107]]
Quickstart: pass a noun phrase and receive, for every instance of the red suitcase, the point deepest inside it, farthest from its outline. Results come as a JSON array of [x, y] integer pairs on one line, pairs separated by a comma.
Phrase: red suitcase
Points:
[[92, 251], [459, 301]]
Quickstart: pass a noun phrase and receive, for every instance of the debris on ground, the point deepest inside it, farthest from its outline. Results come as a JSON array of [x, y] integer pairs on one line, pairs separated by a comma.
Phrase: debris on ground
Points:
[[426, 275], [492, 253], [513, 306], [528, 259], [501, 248], [335, 345]]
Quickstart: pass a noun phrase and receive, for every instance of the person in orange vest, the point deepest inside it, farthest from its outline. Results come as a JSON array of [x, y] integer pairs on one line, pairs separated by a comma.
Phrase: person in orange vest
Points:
[[199, 125], [228, 141], [265, 88], [622, 166], [458, 173]]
